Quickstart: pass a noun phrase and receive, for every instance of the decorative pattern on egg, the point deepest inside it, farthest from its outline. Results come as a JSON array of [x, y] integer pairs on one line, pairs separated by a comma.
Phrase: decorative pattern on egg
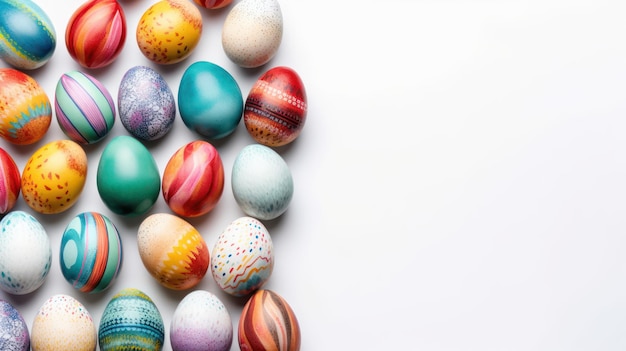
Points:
[[14, 330], [10, 182]]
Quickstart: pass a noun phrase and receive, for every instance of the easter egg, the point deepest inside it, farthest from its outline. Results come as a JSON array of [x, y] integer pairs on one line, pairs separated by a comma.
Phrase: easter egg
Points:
[[91, 252], [252, 32], [213, 4], [131, 321], [169, 31], [261, 182], [201, 322], [15, 335], [27, 36], [193, 179], [96, 33], [173, 251], [276, 107], [84, 107], [242, 259], [128, 179], [25, 111], [63, 323], [209, 100], [146, 104], [267, 322], [54, 177], [10, 182], [25, 253]]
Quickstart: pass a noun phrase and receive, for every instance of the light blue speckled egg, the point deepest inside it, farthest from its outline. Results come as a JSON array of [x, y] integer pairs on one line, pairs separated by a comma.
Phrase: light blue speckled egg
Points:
[[15, 335], [25, 253], [261, 182], [27, 36]]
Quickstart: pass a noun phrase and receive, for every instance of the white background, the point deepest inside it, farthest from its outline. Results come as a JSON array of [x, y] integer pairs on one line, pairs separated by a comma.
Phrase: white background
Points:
[[460, 182]]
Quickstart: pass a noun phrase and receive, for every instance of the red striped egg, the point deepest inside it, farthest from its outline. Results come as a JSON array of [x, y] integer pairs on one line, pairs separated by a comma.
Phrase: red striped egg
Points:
[[276, 107], [84, 107], [10, 182]]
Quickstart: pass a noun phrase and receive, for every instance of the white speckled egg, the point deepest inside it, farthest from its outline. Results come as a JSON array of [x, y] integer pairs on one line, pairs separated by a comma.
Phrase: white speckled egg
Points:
[[252, 32], [261, 182], [25, 253], [201, 322], [243, 257], [63, 323]]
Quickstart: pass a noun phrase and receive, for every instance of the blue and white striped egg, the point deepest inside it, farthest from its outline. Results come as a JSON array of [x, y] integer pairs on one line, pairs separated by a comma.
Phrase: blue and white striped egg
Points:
[[91, 252], [14, 331], [131, 321], [27, 35], [261, 182], [84, 107], [25, 253]]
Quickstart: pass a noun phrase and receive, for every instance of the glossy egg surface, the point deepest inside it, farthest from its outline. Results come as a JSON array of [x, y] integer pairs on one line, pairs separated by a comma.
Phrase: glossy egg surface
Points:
[[209, 100], [276, 107], [173, 251], [27, 35], [15, 336], [54, 177], [201, 322], [146, 103], [128, 179], [10, 182], [261, 182], [242, 259], [193, 179], [213, 4], [267, 322], [169, 31], [25, 110], [96, 33], [252, 32], [131, 321], [84, 107], [63, 323], [91, 252]]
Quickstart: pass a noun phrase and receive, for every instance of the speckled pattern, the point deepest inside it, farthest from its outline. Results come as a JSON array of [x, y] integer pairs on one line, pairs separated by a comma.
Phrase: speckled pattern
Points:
[[13, 329], [252, 32]]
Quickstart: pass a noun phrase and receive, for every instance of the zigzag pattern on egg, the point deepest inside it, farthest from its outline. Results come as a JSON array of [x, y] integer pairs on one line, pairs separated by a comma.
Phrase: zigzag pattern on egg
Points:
[[187, 260]]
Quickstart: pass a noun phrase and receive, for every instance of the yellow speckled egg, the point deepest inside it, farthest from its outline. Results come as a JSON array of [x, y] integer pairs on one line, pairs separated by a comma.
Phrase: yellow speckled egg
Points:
[[169, 30], [54, 176]]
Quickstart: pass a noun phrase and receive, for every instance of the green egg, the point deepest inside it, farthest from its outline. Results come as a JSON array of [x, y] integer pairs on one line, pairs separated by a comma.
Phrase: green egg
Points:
[[128, 178]]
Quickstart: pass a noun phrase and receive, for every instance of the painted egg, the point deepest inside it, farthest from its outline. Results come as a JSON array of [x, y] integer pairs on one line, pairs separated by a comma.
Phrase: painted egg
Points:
[[63, 323], [213, 4], [169, 31], [27, 36], [15, 335], [242, 259], [25, 253], [172, 251], [96, 33], [131, 321], [10, 182], [25, 111], [128, 179], [84, 107], [252, 32], [201, 322], [193, 179], [261, 182], [146, 104], [54, 177], [209, 100], [267, 322], [91, 252], [276, 107]]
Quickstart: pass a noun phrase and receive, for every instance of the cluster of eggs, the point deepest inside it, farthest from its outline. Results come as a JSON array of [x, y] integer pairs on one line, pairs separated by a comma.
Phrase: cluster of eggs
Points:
[[175, 254]]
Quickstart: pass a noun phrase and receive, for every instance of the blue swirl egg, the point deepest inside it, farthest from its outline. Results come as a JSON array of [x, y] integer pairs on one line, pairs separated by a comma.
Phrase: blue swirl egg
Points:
[[27, 36]]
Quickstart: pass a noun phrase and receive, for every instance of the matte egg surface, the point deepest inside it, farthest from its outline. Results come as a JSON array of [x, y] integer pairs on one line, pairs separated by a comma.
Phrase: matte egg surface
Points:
[[10, 182], [25, 110], [27, 35], [15, 336]]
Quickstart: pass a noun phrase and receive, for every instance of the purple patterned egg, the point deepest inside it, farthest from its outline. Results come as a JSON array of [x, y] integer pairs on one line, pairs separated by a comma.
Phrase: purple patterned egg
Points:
[[14, 331], [146, 104], [84, 107]]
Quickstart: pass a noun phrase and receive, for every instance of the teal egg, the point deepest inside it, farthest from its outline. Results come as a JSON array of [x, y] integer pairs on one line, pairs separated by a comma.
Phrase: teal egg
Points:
[[27, 36], [128, 179], [209, 100]]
